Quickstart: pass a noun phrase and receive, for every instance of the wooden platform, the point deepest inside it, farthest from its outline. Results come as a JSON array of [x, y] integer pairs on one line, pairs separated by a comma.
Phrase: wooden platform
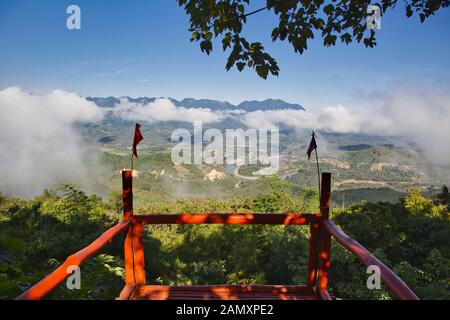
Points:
[[221, 292], [321, 230]]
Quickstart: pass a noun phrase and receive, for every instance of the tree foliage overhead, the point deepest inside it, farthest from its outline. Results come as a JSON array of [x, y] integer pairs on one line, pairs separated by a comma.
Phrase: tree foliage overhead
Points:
[[298, 22]]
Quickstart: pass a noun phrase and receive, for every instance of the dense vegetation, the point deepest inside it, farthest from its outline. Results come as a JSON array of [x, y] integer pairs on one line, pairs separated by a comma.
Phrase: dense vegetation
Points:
[[411, 236]]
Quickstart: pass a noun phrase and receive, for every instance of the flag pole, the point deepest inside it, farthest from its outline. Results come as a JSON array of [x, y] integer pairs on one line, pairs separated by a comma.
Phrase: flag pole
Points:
[[131, 160], [317, 162]]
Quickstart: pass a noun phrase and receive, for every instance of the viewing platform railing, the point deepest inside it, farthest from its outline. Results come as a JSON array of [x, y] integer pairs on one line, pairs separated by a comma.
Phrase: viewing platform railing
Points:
[[321, 231]]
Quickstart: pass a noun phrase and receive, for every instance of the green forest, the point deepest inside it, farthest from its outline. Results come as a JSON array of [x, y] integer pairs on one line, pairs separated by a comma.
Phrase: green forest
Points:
[[410, 236]]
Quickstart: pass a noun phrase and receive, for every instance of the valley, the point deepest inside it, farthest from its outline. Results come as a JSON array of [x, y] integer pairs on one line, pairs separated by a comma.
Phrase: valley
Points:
[[363, 167]]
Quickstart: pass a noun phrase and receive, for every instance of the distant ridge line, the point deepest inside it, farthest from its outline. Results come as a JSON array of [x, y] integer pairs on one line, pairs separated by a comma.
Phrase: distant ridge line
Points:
[[247, 105]]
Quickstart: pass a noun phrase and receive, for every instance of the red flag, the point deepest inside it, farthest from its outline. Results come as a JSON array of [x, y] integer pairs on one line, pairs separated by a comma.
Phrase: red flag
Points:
[[312, 145], [137, 138]]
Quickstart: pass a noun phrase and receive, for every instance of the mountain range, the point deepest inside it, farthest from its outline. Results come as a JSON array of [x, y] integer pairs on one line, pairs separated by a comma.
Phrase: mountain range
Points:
[[248, 106]]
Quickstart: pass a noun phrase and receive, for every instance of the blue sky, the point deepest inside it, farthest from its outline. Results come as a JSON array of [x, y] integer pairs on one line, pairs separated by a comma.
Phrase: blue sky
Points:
[[142, 48]]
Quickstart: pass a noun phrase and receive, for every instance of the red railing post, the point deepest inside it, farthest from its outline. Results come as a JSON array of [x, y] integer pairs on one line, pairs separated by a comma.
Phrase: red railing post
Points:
[[127, 193], [138, 250], [127, 203], [313, 257], [325, 237], [129, 257], [133, 247]]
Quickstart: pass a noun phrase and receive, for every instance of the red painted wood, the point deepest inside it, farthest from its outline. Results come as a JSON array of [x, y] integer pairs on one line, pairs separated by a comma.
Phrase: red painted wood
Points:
[[138, 251], [228, 218], [225, 292], [324, 295], [43, 287], [325, 195], [325, 237], [127, 193], [324, 261], [313, 257], [393, 282], [127, 204], [318, 261], [133, 247], [129, 257], [126, 292]]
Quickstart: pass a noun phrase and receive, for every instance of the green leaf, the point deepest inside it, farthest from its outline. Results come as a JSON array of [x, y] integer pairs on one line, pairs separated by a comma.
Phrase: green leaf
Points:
[[206, 46], [262, 71], [240, 65], [329, 40], [328, 9], [195, 36], [409, 11], [422, 17]]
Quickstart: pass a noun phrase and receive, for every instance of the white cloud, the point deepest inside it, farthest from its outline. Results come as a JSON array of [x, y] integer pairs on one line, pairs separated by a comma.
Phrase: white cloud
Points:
[[419, 114], [38, 145], [334, 119], [165, 110]]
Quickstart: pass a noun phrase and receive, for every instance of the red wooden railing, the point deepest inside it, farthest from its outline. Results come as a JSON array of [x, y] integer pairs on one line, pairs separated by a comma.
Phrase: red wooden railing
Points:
[[393, 282], [321, 230], [227, 218], [43, 287]]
